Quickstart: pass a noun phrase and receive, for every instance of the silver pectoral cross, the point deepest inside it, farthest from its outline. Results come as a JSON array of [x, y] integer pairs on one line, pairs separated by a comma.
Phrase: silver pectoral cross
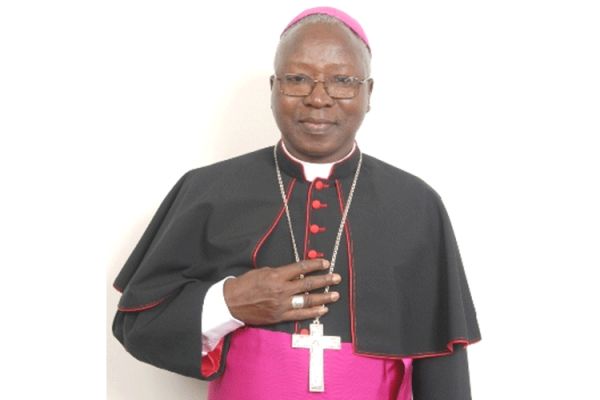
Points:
[[317, 343]]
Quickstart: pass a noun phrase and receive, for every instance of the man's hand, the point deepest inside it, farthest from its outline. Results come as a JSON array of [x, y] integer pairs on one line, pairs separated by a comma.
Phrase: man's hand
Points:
[[264, 296]]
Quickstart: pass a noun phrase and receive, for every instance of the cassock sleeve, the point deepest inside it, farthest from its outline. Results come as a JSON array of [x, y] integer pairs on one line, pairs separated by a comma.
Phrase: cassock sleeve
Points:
[[169, 335], [442, 378], [159, 320]]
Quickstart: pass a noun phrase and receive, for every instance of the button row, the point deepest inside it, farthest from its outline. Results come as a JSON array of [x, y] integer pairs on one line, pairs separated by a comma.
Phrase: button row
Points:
[[312, 254], [317, 204], [320, 185], [314, 229]]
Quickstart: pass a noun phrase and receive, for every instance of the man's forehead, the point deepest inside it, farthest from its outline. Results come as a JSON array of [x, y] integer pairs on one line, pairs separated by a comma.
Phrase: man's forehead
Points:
[[323, 43], [318, 33], [329, 13]]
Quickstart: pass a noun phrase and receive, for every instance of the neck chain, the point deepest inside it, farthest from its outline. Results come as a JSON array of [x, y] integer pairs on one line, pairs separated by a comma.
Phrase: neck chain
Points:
[[342, 222]]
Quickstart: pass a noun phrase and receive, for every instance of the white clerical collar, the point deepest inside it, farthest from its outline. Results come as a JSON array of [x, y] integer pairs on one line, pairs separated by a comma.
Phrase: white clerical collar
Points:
[[313, 171]]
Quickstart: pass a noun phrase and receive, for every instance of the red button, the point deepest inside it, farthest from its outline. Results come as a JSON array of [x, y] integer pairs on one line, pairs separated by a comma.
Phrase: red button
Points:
[[312, 254], [319, 185], [316, 204], [304, 331], [314, 228]]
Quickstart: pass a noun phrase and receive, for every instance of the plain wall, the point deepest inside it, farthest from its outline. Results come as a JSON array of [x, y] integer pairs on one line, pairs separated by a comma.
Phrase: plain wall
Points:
[[106, 104]]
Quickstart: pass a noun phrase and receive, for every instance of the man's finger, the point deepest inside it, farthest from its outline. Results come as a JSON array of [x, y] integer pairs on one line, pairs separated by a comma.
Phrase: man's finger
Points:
[[317, 299], [314, 282], [305, 313], [293, 271]]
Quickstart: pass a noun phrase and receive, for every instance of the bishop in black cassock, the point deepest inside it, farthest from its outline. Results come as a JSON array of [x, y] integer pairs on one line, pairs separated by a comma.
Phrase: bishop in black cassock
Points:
[[403, 311]]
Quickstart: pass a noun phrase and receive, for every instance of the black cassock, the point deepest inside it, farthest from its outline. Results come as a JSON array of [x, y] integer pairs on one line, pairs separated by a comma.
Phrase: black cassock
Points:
[[403, 293]]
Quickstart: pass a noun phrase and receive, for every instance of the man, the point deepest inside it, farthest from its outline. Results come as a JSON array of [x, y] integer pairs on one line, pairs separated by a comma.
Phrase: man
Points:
[[307, 266]]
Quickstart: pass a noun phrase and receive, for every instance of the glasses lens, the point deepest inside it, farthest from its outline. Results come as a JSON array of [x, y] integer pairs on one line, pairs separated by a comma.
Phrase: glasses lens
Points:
[[338, 87], [342, 87], [296, 85]]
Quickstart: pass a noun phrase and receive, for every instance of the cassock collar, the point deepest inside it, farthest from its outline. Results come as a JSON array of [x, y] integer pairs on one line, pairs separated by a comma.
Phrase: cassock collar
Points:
[[340, 169]]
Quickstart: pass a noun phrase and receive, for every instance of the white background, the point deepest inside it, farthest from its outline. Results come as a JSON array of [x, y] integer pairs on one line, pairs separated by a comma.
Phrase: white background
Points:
[[104, 105]]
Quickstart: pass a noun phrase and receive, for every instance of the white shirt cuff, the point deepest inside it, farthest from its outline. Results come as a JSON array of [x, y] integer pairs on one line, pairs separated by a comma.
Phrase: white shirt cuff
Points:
[[217, 321]]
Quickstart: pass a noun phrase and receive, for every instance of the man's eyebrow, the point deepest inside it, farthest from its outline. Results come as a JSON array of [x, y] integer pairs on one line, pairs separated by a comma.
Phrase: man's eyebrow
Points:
[[311, 66]]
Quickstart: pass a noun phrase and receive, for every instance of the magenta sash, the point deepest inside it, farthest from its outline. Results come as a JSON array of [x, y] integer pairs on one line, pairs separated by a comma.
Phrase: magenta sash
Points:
[[262, 365]]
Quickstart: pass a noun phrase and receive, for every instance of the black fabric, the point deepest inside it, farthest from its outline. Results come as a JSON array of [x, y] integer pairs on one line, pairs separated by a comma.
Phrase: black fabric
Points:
[[404, 293], [412, 296], [442, 378], [170, 334]]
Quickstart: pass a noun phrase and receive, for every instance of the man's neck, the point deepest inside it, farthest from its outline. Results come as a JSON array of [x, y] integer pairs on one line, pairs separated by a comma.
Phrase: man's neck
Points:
[[313, 171]]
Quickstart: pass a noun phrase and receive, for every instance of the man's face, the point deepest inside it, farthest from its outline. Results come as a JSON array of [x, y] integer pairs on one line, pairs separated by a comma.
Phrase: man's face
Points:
[[317, 127]]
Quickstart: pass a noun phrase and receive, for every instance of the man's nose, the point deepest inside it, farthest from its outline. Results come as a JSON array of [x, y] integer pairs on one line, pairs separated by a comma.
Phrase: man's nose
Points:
[[319, 97]]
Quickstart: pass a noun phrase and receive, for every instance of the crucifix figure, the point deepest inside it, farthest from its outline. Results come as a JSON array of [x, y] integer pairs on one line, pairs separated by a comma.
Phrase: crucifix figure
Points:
[[317, 343]]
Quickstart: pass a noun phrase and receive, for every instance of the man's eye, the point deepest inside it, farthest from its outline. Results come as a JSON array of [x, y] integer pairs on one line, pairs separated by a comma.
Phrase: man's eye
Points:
[[296, 79], [343, 80]]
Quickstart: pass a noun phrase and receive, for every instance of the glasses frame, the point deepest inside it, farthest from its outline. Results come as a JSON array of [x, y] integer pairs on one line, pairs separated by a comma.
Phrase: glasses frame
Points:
[[325, 82]]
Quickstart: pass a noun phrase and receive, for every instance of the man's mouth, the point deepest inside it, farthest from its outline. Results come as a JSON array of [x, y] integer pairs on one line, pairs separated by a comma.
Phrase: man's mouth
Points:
[[316, 124]]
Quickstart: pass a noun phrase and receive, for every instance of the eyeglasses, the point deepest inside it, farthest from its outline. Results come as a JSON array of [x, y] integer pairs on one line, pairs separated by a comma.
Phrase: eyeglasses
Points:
[[337, 87]]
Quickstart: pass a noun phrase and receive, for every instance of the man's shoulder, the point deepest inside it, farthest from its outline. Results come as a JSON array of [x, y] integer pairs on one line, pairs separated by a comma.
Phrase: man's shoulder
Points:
[[396, 179], [242, 166]]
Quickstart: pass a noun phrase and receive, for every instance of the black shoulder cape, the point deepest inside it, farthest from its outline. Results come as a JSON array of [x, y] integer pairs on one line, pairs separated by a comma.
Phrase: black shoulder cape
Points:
[[405, 285]]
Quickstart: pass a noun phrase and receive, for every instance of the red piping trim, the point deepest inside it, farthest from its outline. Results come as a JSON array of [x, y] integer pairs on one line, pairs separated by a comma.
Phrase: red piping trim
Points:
[[307, 225], [143, 307], [273, 225], [350, 246], [351, 285], [450, 346], [306, 239], [117, 288]]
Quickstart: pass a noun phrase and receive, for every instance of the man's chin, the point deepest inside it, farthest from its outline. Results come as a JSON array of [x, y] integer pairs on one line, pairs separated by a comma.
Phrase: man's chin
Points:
[[318, 154], [317, 148]]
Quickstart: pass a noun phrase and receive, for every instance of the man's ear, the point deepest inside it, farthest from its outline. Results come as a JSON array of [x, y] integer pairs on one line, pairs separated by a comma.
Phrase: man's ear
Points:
[[370, 84], [272, 81]]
